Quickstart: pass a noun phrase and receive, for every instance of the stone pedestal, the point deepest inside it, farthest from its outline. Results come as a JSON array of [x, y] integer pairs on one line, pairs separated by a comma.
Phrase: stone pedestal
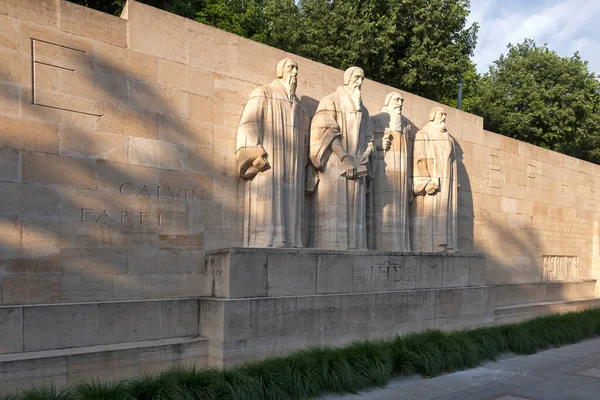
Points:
[[59, 344], [271, 301]]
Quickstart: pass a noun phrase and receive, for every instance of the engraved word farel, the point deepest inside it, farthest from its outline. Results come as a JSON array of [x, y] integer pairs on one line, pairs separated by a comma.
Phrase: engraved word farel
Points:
[[129, 217], [134, 217]]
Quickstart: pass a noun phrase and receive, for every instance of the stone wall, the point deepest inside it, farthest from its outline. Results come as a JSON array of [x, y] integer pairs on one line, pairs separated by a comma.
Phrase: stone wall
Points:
[[117, 164]]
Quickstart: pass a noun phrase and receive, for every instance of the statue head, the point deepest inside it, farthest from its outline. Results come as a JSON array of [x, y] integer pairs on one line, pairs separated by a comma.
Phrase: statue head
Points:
[[437, 116], [353, 79], [394, 100], [393, 107], [287, 73]]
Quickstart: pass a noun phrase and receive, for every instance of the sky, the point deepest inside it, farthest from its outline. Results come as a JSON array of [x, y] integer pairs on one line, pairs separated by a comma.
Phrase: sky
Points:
[[566, 26]]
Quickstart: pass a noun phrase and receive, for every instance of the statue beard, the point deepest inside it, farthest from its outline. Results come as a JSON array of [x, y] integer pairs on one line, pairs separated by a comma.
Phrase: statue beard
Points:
[[396, 119], [441, 125], [355, 92], [292, 84]]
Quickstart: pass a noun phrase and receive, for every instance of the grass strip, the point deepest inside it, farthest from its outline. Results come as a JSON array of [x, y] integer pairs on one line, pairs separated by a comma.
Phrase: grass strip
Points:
[[308, 373]]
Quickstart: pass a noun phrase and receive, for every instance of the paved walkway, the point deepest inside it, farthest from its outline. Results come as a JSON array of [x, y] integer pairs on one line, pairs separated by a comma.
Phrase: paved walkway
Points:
[[565, 373]]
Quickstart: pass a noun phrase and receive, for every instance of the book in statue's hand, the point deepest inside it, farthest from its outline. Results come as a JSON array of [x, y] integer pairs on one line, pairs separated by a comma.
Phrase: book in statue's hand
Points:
[[361, 170]]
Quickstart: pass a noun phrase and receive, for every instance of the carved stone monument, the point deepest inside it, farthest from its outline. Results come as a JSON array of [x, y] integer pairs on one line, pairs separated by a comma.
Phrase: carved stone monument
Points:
[[341, 126], [125, 181], [272, 144], [435, 186], [391, 173]]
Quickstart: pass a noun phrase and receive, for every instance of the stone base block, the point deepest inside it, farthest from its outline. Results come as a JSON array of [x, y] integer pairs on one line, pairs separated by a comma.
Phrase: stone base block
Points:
[[266, 272], [107, 362], [522, 312], [30, 328], [513, 294], [253, 328]]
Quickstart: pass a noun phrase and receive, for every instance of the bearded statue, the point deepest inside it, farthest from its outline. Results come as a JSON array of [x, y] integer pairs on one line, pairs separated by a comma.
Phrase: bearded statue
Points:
[[341, 143], [435, 185], [272, 150], [389, 224]]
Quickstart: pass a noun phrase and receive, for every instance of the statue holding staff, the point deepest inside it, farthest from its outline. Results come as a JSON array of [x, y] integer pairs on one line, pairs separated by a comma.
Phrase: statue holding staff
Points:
[[391, 173]]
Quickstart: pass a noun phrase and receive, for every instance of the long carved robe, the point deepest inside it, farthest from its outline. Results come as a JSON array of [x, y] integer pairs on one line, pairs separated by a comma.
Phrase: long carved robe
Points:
[[434, 159], [275, 127], [391, 186], [340, 206]]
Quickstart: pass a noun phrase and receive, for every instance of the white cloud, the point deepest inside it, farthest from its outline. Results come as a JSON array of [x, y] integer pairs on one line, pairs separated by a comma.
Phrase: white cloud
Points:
[[566, 26]]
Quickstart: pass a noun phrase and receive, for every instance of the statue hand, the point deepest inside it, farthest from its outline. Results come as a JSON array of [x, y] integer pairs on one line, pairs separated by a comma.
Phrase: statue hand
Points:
[[261, 164], [387, 142], [364, 159], [431, 188], [350, 167]]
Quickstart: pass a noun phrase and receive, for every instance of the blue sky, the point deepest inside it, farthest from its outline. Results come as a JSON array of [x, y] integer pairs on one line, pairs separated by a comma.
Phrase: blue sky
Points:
[[565, 25]]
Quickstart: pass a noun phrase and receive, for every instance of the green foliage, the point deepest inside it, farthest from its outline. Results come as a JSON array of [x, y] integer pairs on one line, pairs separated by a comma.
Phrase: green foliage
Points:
[[490, 342], [102, 391], [46, 393], [108, 6], [422, 46], [243, 17], [470, 80], [159, 387], [311, 372], [185, 8], [533, 94]]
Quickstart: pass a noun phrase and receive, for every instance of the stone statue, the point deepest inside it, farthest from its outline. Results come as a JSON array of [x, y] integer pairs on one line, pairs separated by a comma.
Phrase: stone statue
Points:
[[391, 171], [340, 147], [272, 150], [435, 186]]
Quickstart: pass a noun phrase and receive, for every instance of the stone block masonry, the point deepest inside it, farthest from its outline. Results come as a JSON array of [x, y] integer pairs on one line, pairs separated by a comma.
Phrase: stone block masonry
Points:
[[254, 272], [121, 209], [92, 101], [271, 301]]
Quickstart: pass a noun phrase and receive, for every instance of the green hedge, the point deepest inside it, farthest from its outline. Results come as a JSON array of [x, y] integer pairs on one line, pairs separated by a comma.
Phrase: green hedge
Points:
[[308, 373]]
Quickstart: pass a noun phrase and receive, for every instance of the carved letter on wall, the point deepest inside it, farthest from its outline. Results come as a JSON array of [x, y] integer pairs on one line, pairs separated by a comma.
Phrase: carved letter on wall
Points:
[[85, 212], [357, 275], [591, 200], [380, 272], [35, 62], [497, 179], [532, 173], [125, 190], [565, 189], [560, 268]]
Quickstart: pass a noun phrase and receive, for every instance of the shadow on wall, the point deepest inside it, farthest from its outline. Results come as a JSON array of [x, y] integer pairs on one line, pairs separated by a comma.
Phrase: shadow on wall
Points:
[[311, 105], [124, 199], [493, 232], [493, 235], [100, 209]]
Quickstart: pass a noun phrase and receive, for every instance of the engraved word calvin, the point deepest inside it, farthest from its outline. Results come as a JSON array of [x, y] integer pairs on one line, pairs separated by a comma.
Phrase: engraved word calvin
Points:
[[154, 193]]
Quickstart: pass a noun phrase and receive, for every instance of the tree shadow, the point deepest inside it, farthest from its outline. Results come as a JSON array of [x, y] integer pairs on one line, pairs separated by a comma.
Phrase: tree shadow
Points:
[[310, 104], [109, 226], [73, 244]]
